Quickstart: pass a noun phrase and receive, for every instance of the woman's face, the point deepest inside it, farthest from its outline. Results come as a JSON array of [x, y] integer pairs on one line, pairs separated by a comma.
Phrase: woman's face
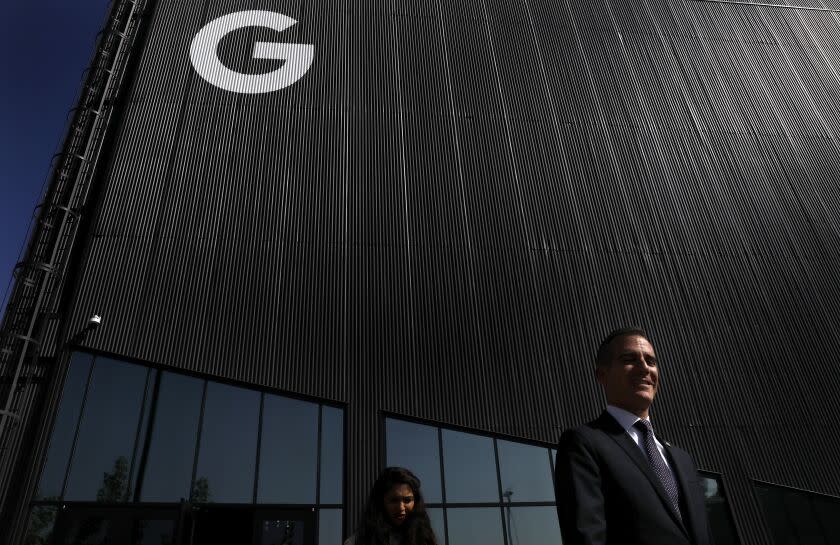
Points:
[[399, 502]]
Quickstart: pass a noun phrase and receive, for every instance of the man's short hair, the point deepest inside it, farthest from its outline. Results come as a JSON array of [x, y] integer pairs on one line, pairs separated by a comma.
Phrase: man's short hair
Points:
[[604, 356]]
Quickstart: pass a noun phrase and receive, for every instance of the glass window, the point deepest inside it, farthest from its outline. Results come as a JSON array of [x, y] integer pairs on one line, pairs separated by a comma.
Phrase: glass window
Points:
[[525, 471], [102, 460], [171, 455], [288, 451], [804, 519], [415, 447], [127, 432], [471, 525], [776, 515], [436, 518], [828, 514], [332, 455], [64, 430], [798, 517], [329, 527], [143, 429], [41, 524], [469, 468], [532, 525], [720, 519], [231, 417]]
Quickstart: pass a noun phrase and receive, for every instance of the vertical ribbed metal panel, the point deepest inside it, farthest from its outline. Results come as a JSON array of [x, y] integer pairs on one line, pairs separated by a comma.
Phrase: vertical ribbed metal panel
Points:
[[445, 215]]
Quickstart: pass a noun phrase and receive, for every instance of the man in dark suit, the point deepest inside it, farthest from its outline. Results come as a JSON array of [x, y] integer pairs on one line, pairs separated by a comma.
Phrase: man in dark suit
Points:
[[616, 483]]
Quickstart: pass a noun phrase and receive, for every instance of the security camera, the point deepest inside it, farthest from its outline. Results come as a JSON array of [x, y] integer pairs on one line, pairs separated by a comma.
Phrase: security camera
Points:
[[94, 321]]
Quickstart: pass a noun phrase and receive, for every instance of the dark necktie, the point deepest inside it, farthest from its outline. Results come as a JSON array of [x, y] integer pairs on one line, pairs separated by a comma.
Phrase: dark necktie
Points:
[[658, 464]]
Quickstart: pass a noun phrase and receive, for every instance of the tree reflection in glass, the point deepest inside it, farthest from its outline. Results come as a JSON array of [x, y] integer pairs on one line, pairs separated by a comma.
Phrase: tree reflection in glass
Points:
[[108, 429], [115, 486], [41, 523]]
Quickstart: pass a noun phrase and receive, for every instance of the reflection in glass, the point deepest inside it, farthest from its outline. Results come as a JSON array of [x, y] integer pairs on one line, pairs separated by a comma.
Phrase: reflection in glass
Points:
[[828, 513], [525, 471], [94, 530], [228, 451], [415, 447], [100, 465], [471, 525], [804, 519], [171, 455], [720, 520], [66, 420], [469, 468], [436, 517], [711, 490], [332, 455], [776, 515], [153, 532], [282, 532], [289, 451], [532, 525], [143, 428], [41, 524], [329, 527]]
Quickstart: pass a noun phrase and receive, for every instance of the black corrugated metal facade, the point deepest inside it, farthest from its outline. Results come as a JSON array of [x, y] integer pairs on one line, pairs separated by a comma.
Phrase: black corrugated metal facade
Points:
[[459, 199]]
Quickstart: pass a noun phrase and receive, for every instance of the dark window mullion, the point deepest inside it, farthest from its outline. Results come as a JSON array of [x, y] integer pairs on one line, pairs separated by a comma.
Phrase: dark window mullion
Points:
[[78, 424], [318, 474], [551, 465], [144, 455], [443, 488], [259, 448], [501, 497], [318, 456], [493, 504], [198, 439], [139, 431]]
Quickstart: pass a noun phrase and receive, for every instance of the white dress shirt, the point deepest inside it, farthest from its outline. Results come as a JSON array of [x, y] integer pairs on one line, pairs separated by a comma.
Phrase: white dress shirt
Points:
[[627, 421]]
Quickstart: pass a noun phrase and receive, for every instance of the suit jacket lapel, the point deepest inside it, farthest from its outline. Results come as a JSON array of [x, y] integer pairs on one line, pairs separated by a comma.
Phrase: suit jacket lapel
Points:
[[620, 436]]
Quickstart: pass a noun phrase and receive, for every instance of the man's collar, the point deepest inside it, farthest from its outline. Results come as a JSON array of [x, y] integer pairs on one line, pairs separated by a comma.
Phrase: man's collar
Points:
[[625, 418]]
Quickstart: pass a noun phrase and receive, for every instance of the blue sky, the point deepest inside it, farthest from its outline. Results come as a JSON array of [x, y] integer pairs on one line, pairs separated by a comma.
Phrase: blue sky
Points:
[[45, 47]]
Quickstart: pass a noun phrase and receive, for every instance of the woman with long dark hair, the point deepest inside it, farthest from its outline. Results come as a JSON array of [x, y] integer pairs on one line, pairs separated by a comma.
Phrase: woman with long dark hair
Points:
[[395, 513]]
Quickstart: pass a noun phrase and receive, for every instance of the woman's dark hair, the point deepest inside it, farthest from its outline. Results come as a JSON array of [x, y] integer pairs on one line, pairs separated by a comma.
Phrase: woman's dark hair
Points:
[[375, 526]]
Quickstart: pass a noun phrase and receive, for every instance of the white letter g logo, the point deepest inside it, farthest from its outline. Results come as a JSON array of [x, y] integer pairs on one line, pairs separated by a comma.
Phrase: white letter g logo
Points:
[[206, 61]]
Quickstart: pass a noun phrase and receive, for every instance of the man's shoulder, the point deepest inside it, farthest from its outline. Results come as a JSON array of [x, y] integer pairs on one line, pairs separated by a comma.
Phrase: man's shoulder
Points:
[[591, 431]]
